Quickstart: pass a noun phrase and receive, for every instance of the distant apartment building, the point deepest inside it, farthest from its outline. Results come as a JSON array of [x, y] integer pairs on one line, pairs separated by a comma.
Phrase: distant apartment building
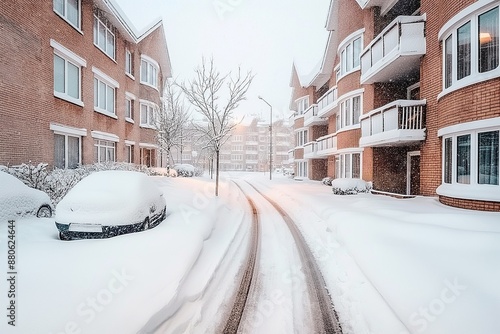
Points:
[[78, 83], [407, 96], [247, 148]]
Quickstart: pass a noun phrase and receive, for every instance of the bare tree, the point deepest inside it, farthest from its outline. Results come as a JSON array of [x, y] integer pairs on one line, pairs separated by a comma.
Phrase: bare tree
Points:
[[171, 119], [215, 97]]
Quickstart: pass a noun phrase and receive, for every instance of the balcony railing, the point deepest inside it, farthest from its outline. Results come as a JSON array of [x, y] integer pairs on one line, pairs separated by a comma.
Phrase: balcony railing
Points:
[[401, 122], [327, 145], [327, 103], [310, 150], [395, 52], [291, 156], [311, 116]]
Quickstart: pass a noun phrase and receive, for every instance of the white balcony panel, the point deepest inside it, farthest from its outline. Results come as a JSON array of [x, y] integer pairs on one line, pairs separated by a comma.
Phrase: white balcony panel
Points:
[[327, 103], [398, 123], [385, 5], [327, 145], [395, 52], [311, 117]]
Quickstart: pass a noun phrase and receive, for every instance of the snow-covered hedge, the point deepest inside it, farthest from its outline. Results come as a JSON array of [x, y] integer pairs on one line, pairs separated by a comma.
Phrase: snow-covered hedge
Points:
[[350, 186], [327, 181], [56, 183], [187, 170]]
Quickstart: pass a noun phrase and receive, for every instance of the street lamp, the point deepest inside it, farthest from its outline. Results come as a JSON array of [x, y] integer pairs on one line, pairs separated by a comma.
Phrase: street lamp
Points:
[[270, 140]]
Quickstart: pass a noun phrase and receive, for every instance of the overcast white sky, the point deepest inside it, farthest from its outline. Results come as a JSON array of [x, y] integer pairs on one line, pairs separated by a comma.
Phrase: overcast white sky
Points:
[[264, 36]]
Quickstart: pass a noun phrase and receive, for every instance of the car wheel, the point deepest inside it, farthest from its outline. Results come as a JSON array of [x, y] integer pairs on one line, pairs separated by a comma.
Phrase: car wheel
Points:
[[62, 236], [145, 226], [44, 212]]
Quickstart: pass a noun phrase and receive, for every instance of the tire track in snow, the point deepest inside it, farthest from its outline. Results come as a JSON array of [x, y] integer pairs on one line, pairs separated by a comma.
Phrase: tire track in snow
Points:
[[316, 283], [236, 314]]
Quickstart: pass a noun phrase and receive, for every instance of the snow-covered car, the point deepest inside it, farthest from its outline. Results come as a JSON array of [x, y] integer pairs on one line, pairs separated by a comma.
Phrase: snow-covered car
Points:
[[110, 203], [17, 199], [185, 170]]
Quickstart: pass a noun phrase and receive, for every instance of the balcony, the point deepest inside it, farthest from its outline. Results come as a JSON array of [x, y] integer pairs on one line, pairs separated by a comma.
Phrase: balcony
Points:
[[327, 145], [310, 150], [395, 52], [398, 123], [327, 103], [311, 117]]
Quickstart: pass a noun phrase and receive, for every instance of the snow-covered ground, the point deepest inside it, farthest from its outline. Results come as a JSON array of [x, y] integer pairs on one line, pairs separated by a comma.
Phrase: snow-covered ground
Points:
[[391, 265]]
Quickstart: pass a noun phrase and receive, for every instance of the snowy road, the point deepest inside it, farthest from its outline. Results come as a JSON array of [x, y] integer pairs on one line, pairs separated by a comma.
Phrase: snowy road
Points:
[[392, 266]]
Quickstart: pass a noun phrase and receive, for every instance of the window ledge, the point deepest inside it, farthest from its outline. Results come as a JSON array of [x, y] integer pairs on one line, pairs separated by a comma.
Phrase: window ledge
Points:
[[130, 76], [68, 98], [130, 120], [470, 80], [104, 112], [348, 128], [479, 192], [149, 85], [147, 126]]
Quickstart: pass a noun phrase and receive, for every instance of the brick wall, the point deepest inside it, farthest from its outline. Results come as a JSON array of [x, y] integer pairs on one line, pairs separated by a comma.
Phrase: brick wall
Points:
[[26, 86]]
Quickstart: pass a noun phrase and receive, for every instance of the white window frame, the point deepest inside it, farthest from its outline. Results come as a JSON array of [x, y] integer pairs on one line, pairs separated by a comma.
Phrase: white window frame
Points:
[[110, 53], [65, 14], [129, 64], [129, 102], [301, 137], [472, 190], [150, 109], [68, 131], [471, 14], [340, 116], [302, 104], [104, 139], [346, 54], [109, 82], [69, 57], [340, 165], [129, 151], [152, 71]]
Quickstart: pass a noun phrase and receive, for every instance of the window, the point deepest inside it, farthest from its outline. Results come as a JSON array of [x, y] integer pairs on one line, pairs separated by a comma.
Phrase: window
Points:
[[67, 73], [348, 165], [104, 97], [302, 169], [350, 111], [302, 104], [350, 56], [68, 10], [472, 159], [488, 40], [104, 38], [448, 158], [129, 109], [302, 138], [147, 115], [66, 78], [237, 148], [237, 157], [129, 63], [104, 150], [149, 71], [487, 147], [471, 48], [237, 138], [463, 159], [129, 153], [463, 52], [66, 151]]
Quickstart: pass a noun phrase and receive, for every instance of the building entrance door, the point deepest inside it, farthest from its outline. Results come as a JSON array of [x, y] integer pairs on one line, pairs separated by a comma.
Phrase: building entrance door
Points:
[[413, 173]]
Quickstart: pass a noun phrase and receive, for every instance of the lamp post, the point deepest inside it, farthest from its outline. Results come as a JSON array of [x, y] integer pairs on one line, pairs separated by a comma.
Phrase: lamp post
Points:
[[270, 140]]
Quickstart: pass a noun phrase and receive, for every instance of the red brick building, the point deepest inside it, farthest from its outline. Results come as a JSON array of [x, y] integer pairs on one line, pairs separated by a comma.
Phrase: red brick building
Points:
[[409, 91], [78, 83]]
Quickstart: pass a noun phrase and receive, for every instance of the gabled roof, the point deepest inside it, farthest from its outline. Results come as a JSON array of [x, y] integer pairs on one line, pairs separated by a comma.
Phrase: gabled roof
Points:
[[324, 69], [131, 34]]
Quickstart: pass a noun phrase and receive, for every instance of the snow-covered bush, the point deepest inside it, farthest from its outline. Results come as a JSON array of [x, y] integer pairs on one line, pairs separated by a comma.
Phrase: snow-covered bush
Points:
[[327, 181], [344, 186], [187, 170], [31, 175]]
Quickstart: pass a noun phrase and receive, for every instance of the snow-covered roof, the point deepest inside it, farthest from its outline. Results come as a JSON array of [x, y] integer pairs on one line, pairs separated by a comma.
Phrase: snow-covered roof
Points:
[[130, 33], [322, 72]]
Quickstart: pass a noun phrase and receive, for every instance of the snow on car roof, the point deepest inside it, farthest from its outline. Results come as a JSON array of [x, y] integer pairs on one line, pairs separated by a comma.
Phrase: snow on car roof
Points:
[[109, 198]]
